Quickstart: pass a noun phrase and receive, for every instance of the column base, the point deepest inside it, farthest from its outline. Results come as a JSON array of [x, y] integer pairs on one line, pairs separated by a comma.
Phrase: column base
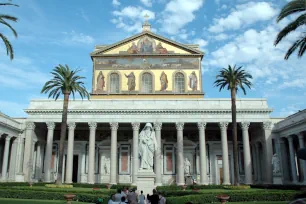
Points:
[[180, 184], [225, 183], [204, 184], [133, 184], [113, 183], [91, 182]]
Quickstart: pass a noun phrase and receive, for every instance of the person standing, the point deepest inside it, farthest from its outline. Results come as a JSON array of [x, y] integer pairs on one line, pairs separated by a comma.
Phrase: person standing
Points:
[[141, 198], [154, 199], [132, 196], [162, 199]]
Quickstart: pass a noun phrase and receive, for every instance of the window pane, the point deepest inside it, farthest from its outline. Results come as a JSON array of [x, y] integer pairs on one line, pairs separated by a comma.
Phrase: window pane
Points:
[[179, 83], [147, 86], [114, 83]]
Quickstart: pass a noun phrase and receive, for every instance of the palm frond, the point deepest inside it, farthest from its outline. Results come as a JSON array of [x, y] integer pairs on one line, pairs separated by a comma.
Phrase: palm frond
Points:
[[8, 4], [292, 7], [233, 78], [9, 26], [64, 81], [301, 20], [8, 45], [295, 45], [302, 47]]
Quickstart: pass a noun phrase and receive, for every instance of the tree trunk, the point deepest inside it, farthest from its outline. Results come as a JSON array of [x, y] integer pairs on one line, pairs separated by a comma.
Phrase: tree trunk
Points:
[[62, 138], [234, 134]]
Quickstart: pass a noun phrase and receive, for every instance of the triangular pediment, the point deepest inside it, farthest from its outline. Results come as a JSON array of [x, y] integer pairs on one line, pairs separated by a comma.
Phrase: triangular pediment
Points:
[[146, 43]]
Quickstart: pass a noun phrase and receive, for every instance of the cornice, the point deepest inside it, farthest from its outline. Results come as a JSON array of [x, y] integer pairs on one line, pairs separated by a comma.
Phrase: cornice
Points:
[[146, 112], [10, 126]]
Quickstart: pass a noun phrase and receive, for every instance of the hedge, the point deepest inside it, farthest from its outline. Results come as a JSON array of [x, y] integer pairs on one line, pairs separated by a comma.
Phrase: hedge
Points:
[[234, 197], [175, 188], [80, 185], [43, 195], [63, 190]]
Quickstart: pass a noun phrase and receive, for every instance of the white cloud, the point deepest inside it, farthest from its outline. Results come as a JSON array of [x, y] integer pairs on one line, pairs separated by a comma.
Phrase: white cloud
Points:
[[254, 50], [147, 3], [131, 18], [77, 38], [116, 3], [178, 13], [244, 14], [221, 36], [202, 43]]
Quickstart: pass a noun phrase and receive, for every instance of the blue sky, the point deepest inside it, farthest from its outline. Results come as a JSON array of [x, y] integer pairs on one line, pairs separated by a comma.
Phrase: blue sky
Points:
[[229, 31]]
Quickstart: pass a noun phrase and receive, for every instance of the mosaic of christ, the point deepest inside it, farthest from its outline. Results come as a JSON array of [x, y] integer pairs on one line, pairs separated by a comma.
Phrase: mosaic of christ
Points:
[[147, 45]]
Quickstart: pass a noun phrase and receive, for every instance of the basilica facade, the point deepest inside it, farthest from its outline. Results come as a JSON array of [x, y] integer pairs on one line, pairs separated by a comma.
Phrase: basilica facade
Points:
[[144, 79]]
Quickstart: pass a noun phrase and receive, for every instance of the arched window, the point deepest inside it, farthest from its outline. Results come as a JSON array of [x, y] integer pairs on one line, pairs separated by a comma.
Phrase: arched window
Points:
[[146, 81], [179, 82], [114, 83]]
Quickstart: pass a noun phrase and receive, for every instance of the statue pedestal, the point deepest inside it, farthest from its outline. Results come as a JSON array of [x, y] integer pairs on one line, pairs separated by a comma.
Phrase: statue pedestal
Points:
[[277, 179], [145, 181]]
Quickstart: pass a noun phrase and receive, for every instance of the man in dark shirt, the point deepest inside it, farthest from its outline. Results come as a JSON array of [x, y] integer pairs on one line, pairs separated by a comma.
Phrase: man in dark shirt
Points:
[[154, 199]]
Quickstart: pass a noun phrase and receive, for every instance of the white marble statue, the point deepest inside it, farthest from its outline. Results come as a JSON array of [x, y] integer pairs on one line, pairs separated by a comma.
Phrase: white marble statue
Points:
[[276, 164], [147, 145], [187, 166], [106, 166]]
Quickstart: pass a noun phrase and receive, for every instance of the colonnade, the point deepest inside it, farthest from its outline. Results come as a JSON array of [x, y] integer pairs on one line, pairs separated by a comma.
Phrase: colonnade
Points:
[[158, 154]]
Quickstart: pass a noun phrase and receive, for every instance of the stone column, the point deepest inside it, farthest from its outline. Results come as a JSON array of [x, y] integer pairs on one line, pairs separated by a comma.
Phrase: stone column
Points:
[[69, 162], [180, 154], [38, 162], [202, 144], [91, 152], [292, 160], [48, 152], [225, 162], [20, 154], [28, 151], [268, 152], [158, 155], [302, 162], [5, 157], [135, 127], [246, 152], [114, 158]]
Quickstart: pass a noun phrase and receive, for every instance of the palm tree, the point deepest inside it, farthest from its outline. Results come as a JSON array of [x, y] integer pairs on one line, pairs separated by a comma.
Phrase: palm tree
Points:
[[234, 78], [293, 7], [65, 81], [3, 20]]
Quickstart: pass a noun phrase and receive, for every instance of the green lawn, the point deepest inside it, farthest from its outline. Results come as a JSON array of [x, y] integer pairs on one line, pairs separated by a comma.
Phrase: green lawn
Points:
[[29, 201]]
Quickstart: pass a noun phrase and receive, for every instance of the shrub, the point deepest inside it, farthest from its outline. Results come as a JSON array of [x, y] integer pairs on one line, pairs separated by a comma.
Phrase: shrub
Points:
[[242, 196], [241, 187], [58, 186]]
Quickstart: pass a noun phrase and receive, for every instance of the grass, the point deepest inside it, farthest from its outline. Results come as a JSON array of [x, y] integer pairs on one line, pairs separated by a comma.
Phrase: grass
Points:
[[29, 201]]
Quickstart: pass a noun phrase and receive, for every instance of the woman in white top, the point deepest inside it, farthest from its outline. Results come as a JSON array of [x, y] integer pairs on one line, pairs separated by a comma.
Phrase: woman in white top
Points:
[[141, 198]]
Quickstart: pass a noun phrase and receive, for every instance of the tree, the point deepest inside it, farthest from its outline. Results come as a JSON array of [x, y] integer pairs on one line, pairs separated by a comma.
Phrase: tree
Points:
[[65, 81], [233, 78], [293, 7], [3, 20]]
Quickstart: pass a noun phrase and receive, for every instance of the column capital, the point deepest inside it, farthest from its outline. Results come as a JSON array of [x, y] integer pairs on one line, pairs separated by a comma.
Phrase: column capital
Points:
[[300, 135], [50, 125], [223, 125], [290, 138], [179, 126], [30, 125], [267, 125], [135, 126], [8, 138], [92, 125], [158, 126], [71, 125], [245, 125], [201, 125], [114, 126]]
